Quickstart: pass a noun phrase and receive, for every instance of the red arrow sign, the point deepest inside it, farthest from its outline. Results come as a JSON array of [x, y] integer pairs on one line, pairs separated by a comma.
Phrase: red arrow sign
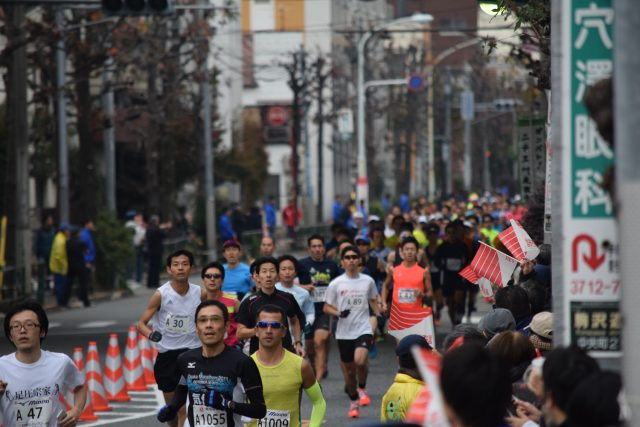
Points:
[[591, 259]]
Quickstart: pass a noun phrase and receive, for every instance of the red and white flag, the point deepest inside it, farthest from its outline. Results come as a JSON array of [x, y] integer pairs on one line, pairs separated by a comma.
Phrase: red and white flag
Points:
[[517, 240], [410, 321], [491, 264], [434, 414]]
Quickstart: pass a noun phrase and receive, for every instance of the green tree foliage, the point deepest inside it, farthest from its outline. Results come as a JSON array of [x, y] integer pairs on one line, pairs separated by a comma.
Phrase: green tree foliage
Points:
[[114, 247]]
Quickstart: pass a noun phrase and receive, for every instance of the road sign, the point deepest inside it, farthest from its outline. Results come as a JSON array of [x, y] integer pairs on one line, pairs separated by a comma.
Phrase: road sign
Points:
[[277, 115], [590, 272], [466, 105], [345, 121], [415, 83]]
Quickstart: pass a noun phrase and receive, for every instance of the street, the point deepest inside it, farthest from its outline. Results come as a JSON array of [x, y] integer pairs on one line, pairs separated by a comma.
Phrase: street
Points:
[[76, 327]]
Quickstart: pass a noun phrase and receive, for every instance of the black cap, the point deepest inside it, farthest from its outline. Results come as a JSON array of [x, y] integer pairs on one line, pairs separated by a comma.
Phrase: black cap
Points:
[[406, 343]]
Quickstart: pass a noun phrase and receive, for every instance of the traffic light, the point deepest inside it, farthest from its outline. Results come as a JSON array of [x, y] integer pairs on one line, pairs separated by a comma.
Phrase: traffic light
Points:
[[138, 7]]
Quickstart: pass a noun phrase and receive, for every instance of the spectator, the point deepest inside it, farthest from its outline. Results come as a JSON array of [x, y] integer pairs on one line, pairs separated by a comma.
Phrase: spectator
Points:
[[541, 332], [516, 350], [44, 241], [515, 299], [224, 225], [536, 294], [596, 401], [138, 227], [463, 333], [475, 387], [86, 235], [155, 236], [59, 263], [336, 209], [496, 321], [78, 267], [270, 216], [407, 383], [290, 217]]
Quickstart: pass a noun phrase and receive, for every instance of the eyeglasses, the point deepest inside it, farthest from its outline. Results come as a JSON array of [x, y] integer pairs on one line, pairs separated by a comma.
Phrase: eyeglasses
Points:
[[28, 326], [213, 319], [265, 325], [213, 275], [350, 257]]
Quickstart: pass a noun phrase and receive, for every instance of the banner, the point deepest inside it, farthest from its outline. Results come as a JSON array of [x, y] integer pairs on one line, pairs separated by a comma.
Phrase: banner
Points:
[[429, 366], [491, 264], [410, 321]]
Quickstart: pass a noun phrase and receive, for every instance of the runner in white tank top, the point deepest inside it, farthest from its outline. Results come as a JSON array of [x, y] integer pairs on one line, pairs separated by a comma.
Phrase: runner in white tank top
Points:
[[172, 309]]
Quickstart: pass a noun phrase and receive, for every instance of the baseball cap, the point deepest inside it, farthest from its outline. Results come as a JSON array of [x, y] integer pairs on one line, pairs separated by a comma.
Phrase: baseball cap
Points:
[[363, 239], [358, 214], [542, 324], [423, 218], [406, 343], [496, 321], [231, 243], [374, 218]]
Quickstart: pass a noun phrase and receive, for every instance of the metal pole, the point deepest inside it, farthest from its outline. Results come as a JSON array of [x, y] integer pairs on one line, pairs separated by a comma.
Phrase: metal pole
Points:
[[467, 155], [431, 161], [210, 201], [627, 157], [108, 134], [486, 176], [446, 148], [63, 162], [362, 183], [320, 82]]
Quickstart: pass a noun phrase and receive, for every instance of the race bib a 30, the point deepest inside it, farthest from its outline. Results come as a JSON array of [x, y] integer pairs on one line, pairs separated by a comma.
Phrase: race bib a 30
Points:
[[178, 323], [207, 416]]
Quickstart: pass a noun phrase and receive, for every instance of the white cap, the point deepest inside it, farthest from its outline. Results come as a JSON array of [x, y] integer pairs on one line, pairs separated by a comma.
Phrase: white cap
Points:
[[423, 218], [358, 214]]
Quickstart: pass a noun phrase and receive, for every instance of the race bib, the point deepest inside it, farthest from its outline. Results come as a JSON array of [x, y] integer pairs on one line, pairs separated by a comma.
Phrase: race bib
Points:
[[406, 296], [34, 412], [434, 269], [454, 264], [177, 323], [319, 293], [275, 418], [355, 301], [206, 416]]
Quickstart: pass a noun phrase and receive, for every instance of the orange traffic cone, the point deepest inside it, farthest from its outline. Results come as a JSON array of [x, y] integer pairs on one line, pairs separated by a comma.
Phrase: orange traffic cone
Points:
[[94, 379], [133, 373], [113, 377], [145, 357], [87, 413]]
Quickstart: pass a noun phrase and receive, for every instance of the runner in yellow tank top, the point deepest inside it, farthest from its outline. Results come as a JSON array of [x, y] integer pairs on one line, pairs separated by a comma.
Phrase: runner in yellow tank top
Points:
[[284, 375]]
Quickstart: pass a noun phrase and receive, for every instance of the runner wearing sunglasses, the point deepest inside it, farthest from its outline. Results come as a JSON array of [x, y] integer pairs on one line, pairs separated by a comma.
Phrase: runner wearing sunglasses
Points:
[[283, 374], [349, 297], [212, 278]]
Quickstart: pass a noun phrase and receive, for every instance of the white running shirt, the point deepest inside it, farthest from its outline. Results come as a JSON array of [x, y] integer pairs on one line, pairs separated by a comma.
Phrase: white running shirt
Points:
[[352, 294], [175, 319], [31, 398]]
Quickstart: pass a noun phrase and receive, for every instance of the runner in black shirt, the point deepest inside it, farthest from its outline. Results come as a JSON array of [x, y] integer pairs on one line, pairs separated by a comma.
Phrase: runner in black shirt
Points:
[[453, 256], [266, 271], [315, 274], [213, 374]]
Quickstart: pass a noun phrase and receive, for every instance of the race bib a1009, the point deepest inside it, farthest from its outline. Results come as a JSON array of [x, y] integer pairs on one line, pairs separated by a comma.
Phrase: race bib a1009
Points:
[[178, 323], [275, 418], [34, 412], [206, 416]]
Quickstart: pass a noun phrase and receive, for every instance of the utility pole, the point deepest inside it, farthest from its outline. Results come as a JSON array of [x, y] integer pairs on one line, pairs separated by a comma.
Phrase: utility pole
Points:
[[18, 136], [108, 133], [627, 106], [61, 112], [321, 78], [446, 147]]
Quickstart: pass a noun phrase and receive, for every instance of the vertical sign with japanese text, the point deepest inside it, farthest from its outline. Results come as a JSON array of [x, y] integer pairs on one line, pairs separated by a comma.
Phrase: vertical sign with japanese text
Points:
[[531, 154], [590, 249]]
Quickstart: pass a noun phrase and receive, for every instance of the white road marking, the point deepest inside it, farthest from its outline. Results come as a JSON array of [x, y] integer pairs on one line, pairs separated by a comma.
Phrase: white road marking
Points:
[[96, 324], [54, 325], [121, 417]]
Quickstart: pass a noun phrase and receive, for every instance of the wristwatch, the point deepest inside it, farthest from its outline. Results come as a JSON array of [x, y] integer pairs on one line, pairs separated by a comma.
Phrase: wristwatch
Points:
[[231, 405]]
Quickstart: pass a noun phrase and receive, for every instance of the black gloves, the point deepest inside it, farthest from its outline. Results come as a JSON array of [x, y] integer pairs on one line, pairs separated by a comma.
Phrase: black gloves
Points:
[[216, 400], [166, 413], [155, 336], [345, 313]]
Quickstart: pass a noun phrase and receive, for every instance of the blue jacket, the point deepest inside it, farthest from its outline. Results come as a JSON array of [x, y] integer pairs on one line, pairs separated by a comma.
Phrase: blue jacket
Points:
[[226, 229], [87, 239]]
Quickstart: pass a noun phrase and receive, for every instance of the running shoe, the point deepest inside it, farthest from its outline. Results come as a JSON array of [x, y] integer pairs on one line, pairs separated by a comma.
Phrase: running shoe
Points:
[[354, 409], [365, 400]]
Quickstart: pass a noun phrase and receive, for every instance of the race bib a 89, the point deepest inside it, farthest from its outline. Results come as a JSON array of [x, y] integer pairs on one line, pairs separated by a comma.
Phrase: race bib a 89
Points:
[[275, 418], [356, 301], [178, 323], [206, 416]]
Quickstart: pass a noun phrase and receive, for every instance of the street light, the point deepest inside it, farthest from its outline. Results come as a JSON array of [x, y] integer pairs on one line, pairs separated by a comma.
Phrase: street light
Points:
[[362, 184]]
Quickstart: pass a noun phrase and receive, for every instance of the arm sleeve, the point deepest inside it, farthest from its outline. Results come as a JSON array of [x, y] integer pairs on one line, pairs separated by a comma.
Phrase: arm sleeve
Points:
[[319, 405], [243, 314], [179, 396], [309, 309], [297, 312], [252, 383]]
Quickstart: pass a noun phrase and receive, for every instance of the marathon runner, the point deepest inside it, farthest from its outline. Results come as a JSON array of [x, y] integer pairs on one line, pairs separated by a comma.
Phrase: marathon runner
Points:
[[349, 297], [315, 274], [212, 279], [283, 375], [288, 270], [237, 275], [31, 379], [171, 309], [216, 377]]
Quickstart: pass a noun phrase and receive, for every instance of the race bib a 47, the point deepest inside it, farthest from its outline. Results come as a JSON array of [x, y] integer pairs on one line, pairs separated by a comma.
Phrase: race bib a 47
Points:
[[34, 412]]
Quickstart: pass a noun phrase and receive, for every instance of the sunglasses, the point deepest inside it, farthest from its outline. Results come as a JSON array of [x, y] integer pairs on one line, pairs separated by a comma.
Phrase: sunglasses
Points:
[[265, 325], [350, 257], [213, 276]]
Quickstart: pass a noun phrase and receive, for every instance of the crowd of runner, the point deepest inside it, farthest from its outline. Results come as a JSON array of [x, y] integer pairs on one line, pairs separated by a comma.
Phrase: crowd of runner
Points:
[[244, 345]]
